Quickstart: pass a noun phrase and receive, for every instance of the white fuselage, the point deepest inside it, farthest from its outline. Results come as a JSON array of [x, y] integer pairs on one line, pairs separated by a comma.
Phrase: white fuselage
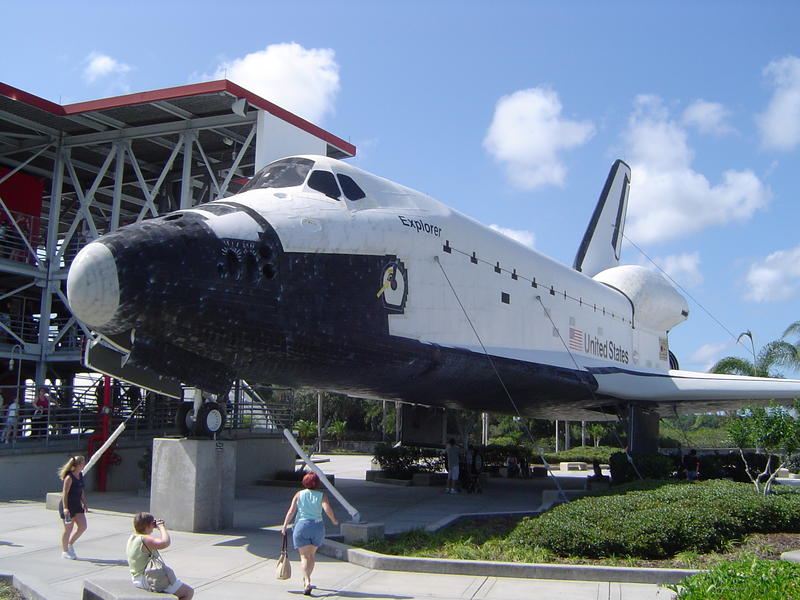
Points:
[[566, 319]]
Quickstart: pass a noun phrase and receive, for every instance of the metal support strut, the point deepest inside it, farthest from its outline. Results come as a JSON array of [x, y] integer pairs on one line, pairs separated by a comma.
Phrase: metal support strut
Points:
[[354, 514]]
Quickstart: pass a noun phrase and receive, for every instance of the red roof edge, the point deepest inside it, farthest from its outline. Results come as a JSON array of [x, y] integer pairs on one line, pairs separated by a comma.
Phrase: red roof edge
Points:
[[208, 87], [289, 117], [30, 99], [183, 91]]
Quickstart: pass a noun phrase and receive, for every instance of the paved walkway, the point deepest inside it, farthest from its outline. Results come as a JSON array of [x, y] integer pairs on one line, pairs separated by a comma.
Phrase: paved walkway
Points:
[[239, 563]]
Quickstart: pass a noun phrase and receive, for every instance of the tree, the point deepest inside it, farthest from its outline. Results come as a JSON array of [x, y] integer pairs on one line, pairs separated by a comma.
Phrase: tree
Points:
[[597, 431], [774, 354], [306, 430], [771, 430], [337, 430]]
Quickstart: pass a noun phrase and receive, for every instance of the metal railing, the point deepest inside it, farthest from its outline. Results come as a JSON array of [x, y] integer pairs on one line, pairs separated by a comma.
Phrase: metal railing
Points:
[[75, 412]]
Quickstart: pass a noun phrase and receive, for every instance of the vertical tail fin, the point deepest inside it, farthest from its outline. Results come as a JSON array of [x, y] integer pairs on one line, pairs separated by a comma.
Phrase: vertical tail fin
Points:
[[602, 242]]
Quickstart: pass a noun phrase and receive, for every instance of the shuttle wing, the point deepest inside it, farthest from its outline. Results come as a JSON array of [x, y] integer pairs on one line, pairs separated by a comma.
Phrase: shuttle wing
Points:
[[692, 390]]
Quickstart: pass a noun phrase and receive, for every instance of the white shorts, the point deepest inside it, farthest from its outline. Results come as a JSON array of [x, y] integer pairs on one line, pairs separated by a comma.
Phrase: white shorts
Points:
[[139, 583], [453, 473]]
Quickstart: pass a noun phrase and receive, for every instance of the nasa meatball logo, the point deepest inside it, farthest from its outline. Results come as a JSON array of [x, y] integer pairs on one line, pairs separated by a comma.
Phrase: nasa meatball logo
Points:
[[394, 287]]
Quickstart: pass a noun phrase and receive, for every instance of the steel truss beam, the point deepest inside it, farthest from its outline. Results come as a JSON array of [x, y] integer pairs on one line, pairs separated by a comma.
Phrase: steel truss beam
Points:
[[112, 143]]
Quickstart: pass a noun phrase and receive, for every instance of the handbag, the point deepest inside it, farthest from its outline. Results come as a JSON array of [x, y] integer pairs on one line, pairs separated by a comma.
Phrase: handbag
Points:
[[283, 570], [157, 575]]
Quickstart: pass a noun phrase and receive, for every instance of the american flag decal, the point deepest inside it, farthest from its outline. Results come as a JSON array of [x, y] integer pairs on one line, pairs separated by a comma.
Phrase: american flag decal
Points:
[[575, 340]]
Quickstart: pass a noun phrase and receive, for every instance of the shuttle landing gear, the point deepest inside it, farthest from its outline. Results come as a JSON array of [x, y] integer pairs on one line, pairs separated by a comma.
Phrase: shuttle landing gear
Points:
[[201, 418], [210, 419]]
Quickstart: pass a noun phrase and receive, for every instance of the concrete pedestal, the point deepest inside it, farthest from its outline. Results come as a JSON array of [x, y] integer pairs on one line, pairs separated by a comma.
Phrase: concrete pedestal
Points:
[[361, 532], [193, 483]]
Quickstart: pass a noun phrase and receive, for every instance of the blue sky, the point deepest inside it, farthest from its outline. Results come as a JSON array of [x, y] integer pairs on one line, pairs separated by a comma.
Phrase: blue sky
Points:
[[511, 112]]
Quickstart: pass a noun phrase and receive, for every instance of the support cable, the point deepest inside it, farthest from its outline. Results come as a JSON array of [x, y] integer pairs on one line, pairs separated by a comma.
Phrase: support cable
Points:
[[588, 387], [683, 289], [499, 378]]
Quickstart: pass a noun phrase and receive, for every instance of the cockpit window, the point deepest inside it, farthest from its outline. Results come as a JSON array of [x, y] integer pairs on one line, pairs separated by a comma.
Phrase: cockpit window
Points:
[[350, 187], [323, 181], [288, 172], [216, 209]]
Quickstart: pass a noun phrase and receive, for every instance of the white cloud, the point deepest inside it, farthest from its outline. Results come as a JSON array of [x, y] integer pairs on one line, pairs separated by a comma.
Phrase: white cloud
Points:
[[523, 237], [303, 81], [775, 277], [528, 133], [707, 355], [707, 117], [100, 65], [683, 268], [668, 199], [779, 124]]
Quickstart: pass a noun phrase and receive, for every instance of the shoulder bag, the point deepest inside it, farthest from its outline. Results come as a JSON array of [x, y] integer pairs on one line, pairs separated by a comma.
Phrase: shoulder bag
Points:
[[157, 575], [283, 570]]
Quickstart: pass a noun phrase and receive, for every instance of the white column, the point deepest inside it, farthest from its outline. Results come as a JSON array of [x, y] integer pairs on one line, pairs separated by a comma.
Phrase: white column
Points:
[[119, 173], [186, 176]]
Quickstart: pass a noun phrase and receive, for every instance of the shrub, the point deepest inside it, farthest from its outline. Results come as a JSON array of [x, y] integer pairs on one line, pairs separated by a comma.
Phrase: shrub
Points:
[[731, 466], [743, 579], [495, 455], [654, 520], [651, 465], [585, 454], [665, 441], [793, 464], [402, 462]]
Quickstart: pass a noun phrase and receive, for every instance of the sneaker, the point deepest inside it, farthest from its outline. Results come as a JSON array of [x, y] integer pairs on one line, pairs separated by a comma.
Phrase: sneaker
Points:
[[68, 556], [71, 552]]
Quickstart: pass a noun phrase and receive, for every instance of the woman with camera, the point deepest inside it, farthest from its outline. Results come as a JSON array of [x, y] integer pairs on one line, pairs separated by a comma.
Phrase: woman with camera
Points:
[[142, 545]]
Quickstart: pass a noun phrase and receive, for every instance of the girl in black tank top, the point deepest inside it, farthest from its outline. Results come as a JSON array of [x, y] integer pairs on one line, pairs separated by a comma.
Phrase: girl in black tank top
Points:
[[72, 508]]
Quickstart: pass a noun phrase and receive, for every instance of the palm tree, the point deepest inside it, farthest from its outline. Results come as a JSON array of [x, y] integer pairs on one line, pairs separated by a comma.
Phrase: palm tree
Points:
[[794, 329], [306, 430], [597, 431], [337, 429], [774, 354]]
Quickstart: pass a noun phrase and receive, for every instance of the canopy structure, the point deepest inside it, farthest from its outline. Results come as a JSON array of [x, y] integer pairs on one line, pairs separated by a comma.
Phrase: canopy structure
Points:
[[71, 173]]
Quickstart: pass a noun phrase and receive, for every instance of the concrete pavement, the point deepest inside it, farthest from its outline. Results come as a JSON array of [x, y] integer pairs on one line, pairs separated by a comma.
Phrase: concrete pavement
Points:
[[239, 562]]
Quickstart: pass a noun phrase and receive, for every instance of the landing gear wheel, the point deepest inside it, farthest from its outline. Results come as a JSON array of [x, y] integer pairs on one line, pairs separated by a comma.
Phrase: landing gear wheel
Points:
[[210, 419], [184, 419]]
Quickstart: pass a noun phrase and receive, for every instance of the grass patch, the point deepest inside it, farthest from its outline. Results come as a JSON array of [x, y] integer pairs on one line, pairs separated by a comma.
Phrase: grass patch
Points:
[[702, 437], [9, 592]]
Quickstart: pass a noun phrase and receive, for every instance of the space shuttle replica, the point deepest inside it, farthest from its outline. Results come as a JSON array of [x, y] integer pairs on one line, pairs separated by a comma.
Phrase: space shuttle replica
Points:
[[318, 274]]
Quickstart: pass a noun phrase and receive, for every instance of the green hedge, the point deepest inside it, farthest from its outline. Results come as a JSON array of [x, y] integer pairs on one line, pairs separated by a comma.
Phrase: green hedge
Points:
[[651, 465], [730, 465], [661, 521], [404, 461], [585, 454], [495, 455], [743, 579]]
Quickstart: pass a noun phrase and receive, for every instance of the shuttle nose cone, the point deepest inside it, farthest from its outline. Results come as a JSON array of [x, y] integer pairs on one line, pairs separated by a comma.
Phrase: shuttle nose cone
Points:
[[93, 286]]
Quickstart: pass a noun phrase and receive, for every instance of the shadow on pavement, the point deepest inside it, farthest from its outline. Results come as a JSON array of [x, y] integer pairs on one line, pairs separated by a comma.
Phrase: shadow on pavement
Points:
[[103, 561], [346, 594]]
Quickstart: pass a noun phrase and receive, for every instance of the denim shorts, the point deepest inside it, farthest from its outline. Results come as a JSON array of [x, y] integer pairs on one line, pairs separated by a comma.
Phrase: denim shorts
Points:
[[308, 533]]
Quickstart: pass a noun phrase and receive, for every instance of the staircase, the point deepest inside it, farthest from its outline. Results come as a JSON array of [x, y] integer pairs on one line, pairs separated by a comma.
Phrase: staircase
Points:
[[262, 407]]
